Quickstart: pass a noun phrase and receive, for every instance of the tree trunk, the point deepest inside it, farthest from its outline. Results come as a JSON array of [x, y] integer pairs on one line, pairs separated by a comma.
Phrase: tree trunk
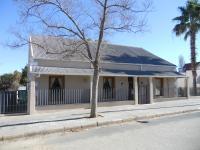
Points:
[[94, 99], [193, 61], [95, 83]]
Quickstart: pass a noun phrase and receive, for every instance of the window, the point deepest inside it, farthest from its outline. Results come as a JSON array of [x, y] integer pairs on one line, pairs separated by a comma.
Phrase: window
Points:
[[56, 82], [108, 87], [108, 82], [159, 87]]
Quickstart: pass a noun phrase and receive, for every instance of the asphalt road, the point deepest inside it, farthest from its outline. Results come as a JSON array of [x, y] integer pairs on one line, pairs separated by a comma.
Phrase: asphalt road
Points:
[[172, 133]]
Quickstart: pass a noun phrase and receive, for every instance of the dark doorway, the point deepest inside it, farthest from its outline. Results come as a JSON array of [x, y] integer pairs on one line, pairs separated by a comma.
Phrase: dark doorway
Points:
[[130, 88], [108, 88], [56, 86], [143, 91]]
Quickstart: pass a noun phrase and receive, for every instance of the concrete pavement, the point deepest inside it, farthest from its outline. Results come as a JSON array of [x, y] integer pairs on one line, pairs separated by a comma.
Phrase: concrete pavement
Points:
[[13, 127], [179, 132]]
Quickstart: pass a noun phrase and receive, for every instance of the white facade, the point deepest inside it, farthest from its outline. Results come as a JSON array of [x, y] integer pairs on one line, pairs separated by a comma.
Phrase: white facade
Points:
[[61, 82], [188, 73]]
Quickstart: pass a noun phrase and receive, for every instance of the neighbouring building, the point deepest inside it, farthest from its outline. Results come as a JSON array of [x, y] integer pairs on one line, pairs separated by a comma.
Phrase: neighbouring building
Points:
[[129, 75], [187, 71]]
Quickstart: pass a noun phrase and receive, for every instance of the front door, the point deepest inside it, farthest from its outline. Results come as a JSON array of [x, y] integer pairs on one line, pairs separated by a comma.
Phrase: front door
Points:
[[108, 88], [130, 88], [56, 86], [143, 91]]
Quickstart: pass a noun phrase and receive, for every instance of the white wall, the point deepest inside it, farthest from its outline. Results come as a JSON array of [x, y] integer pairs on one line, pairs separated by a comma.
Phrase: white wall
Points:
[[77, 82], [143, 82], [189, 74], [42, 82], [182, 83], [120, 82], [74, 82]]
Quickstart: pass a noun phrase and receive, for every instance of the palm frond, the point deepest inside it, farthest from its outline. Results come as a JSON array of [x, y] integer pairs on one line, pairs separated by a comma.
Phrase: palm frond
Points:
[[180, 29], [182, 9], [179, 18], [189, 20], [187, 34]]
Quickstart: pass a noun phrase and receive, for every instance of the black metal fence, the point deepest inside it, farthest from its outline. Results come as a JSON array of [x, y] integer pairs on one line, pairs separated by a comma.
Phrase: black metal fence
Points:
[[13, 102], [192, 93]]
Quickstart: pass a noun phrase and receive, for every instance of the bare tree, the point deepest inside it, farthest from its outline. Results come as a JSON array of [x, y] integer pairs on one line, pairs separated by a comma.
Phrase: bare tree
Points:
[[81, 20]]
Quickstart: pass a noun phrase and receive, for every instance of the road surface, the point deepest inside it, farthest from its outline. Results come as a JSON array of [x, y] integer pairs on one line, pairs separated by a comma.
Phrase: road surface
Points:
[[170, 133]]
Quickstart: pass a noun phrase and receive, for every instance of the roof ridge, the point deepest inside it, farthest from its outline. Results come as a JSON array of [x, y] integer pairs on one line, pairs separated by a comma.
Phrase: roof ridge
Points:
[[92, 41], [114, 44], [117, 53]]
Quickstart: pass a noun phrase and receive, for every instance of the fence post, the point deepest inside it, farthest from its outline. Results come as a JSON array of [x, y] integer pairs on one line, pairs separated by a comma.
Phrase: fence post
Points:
[[151, 89], [31, 95], [136, 90]]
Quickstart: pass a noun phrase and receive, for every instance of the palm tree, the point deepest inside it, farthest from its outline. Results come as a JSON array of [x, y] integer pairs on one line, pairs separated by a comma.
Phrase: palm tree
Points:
[[189, 25]]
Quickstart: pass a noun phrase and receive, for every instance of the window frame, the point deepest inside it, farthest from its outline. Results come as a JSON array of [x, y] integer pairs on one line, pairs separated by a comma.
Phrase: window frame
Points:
[[59, 77], [161, 88], [112, 79]]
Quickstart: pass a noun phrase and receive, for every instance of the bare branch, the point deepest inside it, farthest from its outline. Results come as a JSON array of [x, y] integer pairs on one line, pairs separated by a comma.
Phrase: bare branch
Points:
[[100, 3], [80, 20]]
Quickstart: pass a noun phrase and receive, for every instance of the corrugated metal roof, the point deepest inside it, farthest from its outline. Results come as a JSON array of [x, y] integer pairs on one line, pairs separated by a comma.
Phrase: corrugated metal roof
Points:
[[103, 72], [60, 71], [110, 53], [188, 66]]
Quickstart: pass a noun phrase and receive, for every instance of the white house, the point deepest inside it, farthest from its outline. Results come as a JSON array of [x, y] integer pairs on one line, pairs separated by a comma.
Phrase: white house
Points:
[[129, 75]]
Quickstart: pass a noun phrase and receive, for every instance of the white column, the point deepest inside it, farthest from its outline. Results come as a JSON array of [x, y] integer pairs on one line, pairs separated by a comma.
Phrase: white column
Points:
[[151, 89], [31, 95], [187, 87], [176, 87], [136, 90]]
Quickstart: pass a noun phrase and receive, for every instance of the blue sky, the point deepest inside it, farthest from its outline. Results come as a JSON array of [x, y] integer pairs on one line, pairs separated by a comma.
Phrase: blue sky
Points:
[[159, 38]]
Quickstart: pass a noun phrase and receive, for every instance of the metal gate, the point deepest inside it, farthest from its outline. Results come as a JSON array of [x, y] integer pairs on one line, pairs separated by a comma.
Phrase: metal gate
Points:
[[143, 94], [13, 102]]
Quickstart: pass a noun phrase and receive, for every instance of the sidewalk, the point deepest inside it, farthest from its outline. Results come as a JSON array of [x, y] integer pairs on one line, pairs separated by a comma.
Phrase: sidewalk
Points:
[[12, 127]]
